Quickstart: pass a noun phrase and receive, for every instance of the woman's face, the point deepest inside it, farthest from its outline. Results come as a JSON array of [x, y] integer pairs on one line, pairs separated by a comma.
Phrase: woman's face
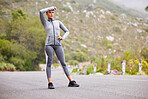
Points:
[[50, 14]]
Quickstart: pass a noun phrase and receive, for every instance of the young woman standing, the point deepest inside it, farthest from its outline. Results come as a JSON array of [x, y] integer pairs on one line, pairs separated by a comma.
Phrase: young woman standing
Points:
[[53, 42]]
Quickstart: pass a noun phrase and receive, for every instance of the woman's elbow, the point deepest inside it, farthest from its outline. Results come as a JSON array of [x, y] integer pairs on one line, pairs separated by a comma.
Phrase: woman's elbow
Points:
[[40, 11], [67, 32]]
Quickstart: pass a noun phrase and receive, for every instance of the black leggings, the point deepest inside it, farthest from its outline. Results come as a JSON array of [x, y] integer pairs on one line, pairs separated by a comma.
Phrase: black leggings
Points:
[[49, 55]]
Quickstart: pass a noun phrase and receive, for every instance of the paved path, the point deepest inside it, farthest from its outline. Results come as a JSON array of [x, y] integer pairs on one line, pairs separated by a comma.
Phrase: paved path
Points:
[[33, 85]]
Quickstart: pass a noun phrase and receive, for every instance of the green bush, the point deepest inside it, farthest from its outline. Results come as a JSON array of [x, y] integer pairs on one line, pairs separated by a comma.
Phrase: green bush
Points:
[[18, 14], [107, 44], [73, 62], [92, 58], [67, 57], [105, 72], [18, 62], [1, 67], [74, 70], [146, 29], [146, 8], [132, 66], [145, 67], [7, 67], [99, 69], [84, 50], [66, 9], [102, 63], [11, 67], [98, 61], [116, 64], [117, 29], [132, 72], [90, 69], [81, 57], [55, 64], [127, 55], [80, 71], [144, 53], [1, 58], [113, 17]]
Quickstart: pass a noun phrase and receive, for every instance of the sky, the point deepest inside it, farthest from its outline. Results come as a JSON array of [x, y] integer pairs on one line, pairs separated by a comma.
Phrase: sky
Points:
[[139, 5]]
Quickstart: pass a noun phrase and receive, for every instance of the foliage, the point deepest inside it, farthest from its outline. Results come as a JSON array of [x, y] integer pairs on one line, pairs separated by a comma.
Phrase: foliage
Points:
[[113, 18], [117, 29], [103, 62], [90, 69], [84, 50], [74, 70], [6, 67], [144, 53], [107, 44], [141, 73], [146, 29], [73, 62], [81, 57], [19, 0], [146, 8], [127, 55], [92, 58], [67, 57], [99, 69], [22, 38], [18, 62], [145, 67], [18, 14], [5, 49], [105, 72], [116, 64], [66, 9], [132, 67], [116, 72], [22, 43], [56, 65]]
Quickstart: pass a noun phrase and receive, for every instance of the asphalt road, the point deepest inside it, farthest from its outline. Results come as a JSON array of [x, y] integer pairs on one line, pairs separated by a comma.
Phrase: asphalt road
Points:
[[33, 85]]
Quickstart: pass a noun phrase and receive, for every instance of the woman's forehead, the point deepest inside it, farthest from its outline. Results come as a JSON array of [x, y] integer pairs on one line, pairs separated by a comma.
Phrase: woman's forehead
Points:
[[51, 11]]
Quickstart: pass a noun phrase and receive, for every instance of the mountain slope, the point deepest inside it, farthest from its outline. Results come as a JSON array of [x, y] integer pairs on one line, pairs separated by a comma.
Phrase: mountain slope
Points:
[[94, 30]]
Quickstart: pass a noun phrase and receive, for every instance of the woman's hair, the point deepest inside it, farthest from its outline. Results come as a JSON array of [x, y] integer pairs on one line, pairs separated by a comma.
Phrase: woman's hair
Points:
[[51, 9]]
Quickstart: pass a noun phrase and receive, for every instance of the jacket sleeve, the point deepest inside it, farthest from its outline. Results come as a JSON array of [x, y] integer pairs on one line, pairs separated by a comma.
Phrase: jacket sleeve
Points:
[[62, 26], [42, 11]]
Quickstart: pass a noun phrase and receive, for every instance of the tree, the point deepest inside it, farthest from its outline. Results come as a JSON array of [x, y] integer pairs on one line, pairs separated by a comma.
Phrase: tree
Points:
[[92, 58], [81, 57], [18, 14]]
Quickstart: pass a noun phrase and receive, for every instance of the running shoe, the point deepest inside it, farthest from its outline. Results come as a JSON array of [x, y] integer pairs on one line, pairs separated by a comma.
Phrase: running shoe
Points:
[[73, 84], [50, 85]]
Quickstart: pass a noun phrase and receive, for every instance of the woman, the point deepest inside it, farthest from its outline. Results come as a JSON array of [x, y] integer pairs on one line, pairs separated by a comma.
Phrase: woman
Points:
[[53, 42]]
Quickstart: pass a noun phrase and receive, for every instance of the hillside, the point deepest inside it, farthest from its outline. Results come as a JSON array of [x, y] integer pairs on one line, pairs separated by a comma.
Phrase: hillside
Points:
[[94, 29]]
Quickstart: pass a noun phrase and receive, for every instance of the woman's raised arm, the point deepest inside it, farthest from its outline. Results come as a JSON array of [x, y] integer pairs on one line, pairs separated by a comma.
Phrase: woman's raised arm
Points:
[[42, 11]]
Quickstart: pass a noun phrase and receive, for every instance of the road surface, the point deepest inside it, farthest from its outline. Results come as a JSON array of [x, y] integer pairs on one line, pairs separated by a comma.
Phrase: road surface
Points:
[[33, 85]]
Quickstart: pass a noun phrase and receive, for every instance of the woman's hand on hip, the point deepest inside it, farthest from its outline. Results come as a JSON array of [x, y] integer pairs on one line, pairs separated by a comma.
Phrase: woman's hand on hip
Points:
[[59, 37]]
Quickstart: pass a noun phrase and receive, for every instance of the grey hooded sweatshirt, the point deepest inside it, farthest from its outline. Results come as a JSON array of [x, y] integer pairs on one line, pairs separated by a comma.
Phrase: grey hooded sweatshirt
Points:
[[52, 28]]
